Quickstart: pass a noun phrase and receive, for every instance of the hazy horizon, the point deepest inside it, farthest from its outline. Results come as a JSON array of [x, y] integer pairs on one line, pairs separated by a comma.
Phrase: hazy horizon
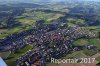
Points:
[[43, 0]]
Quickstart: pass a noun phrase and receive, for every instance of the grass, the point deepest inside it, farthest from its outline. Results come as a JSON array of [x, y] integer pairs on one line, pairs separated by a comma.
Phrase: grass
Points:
[[81, 42], [13, 56], [27, 20], [59, 7], [98, 59], [89, 52], [95, 42], [71, 25], [54, 17], [20, 17], [94, 29], [34, 16], [4, 54], [76, 54], [8, 32], [74, 21]]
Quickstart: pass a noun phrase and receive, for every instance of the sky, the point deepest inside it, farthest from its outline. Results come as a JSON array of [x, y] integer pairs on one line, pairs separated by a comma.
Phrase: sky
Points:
[[2, 63], [46, 0], [49, 0]]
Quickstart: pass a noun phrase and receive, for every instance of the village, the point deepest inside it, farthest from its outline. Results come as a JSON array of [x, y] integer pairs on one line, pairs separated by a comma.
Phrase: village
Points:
[[47, 42]]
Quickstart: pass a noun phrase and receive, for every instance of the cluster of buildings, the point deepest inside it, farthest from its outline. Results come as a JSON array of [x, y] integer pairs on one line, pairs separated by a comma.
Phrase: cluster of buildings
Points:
[[47, 43], [53, 44]]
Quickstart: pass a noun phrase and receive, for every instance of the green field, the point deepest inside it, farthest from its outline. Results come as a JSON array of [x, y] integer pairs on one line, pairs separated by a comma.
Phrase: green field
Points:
[[4, 55], [13, 56], [76, 54], [29, 18], [95, 42], [8, 32], [94, 29], [73, 22], [81, 42], [98, 59], [27, 21], [89, 52]]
